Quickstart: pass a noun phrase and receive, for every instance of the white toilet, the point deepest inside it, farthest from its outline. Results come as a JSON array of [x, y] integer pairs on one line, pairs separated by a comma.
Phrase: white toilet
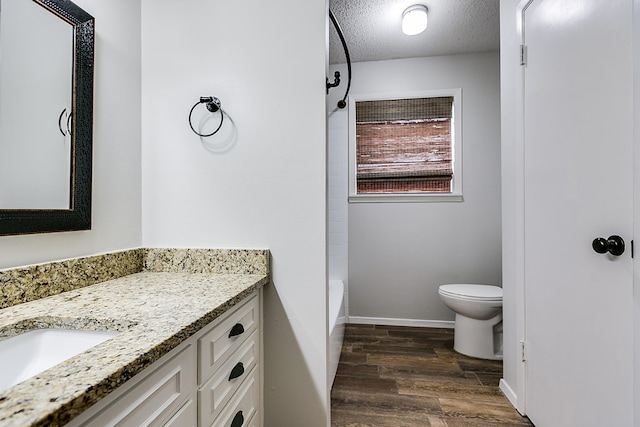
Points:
[[478, 328]]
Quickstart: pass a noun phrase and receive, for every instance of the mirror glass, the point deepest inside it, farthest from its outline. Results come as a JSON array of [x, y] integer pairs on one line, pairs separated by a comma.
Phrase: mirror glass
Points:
[[35, 107], [46, 116]]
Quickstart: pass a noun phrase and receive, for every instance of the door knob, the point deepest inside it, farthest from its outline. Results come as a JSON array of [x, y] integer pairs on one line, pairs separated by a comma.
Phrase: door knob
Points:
[[614, 245]]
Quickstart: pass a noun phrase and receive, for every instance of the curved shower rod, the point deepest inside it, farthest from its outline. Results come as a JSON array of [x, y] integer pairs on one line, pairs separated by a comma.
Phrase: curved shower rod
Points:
[[343, 102]]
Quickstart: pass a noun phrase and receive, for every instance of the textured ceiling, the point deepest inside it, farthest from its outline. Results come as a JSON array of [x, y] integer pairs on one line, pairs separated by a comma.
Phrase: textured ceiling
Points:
[[372, 29]]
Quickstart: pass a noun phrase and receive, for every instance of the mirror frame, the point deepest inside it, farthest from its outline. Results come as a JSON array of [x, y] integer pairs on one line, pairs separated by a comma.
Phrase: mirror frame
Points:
[[78, 216]]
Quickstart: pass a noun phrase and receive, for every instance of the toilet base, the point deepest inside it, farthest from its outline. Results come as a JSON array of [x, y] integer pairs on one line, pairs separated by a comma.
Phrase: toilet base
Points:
[[479, 338]]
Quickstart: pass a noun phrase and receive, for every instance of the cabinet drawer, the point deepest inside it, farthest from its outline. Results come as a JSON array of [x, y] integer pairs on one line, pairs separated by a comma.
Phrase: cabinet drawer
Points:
[[154, 398], [243, 408], [225, 337], [219, 389]]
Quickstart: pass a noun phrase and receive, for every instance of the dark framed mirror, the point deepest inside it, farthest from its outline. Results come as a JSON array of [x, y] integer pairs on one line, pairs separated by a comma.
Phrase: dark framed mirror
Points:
[[71, 123]]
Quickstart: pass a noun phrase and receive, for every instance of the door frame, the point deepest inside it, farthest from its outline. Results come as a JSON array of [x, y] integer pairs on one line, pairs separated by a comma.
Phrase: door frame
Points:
[[518, 396], [519, 400], [636, 207]]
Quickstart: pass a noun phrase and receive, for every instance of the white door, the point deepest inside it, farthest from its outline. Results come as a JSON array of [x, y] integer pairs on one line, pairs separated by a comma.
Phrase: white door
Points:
[[578, 132]]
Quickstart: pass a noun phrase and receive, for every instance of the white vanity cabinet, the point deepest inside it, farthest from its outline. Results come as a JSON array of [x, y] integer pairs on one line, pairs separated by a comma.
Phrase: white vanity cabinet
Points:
[[211, 379]]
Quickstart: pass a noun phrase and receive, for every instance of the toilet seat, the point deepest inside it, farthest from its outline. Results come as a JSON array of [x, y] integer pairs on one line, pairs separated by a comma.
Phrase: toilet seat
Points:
[[467, 292]]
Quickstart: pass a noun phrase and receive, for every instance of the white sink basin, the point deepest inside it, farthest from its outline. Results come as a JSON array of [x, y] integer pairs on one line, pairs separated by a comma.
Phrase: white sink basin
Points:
[[28, 354]]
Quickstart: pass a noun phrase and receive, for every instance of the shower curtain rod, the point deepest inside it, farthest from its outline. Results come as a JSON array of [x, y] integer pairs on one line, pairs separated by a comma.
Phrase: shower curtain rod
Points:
[[343, 102]]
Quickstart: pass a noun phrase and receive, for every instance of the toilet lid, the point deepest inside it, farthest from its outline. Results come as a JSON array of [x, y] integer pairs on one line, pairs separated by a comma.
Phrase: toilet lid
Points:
[[468, 291]]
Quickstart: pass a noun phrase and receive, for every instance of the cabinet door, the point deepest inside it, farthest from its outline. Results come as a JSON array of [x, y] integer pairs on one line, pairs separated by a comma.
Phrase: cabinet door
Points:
[[187, 416]]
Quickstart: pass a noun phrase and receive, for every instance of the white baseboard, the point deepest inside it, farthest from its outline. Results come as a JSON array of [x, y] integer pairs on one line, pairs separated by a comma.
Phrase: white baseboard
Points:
[[508, 392], [402, 322]]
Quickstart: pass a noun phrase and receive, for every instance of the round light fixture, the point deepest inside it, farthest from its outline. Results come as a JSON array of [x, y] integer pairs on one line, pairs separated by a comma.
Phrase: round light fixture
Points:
[[414, 19]]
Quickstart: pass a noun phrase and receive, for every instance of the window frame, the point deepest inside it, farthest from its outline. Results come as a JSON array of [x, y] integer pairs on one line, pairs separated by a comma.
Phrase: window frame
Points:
[[456, 185]]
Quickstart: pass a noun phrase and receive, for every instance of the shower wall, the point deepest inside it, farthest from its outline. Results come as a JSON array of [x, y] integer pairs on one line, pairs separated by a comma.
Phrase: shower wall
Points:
[[337, 185]]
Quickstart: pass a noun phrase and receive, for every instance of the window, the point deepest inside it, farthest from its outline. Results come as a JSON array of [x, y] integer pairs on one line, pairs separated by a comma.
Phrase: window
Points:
[[405, 148]]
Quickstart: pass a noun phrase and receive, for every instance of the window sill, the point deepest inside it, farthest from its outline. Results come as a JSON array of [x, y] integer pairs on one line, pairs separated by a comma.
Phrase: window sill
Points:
[[405, 198]]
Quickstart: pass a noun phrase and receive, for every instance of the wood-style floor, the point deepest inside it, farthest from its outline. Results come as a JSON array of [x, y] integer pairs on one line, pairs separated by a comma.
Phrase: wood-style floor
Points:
[[392, 376]]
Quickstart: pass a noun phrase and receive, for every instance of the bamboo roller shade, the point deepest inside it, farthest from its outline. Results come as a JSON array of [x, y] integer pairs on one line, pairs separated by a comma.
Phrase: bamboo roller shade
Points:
[[404, 109]]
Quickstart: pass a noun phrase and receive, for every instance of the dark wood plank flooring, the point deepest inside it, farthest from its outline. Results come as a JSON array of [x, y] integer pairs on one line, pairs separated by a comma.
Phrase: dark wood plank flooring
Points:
[[392, 376]]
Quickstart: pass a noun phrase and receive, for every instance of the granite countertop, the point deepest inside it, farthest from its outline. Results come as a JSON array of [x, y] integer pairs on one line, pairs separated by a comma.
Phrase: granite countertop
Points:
[[154, 311]]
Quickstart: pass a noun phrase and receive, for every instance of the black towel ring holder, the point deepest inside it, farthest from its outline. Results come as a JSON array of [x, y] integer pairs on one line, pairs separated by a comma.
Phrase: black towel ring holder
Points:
[[213, 104]]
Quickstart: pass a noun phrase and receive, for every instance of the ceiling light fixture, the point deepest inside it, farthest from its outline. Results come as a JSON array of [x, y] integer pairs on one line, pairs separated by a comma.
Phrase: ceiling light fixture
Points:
[[414, 19]]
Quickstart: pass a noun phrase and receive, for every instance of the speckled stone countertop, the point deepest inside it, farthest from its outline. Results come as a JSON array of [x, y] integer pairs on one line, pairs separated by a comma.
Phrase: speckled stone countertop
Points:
[[154, 311]]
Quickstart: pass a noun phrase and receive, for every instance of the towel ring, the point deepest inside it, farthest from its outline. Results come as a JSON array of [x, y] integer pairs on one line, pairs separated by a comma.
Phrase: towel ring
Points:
[[213, 104]]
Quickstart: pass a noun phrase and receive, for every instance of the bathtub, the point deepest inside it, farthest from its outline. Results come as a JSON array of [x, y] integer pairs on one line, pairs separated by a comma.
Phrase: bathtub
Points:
[[336, 325]]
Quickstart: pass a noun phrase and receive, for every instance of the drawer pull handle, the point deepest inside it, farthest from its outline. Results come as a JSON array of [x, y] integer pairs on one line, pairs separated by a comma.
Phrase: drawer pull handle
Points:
[[237, 371], [238, 420], [237, 329]]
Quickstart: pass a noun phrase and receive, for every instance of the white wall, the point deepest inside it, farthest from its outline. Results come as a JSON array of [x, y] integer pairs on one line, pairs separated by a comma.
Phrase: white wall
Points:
[[116, 147], [266, 63], [399, 253]]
